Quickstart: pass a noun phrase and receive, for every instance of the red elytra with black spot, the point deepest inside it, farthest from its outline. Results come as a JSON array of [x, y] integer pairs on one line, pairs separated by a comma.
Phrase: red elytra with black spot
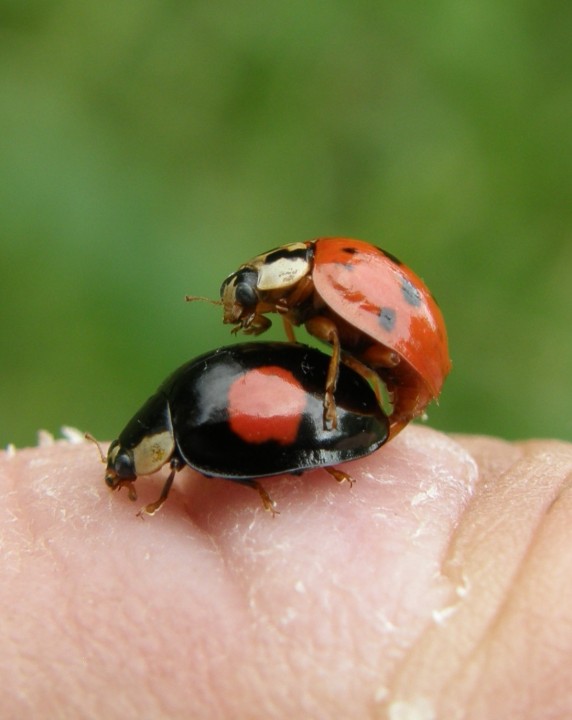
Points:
[[378, 315]]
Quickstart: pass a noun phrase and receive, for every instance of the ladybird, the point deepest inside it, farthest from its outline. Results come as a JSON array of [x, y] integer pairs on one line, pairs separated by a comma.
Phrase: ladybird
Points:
[[245, 412], [376, 313]]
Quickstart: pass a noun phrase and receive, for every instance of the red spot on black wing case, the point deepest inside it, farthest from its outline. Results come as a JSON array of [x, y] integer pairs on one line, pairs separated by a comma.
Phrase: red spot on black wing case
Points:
[[266, 404]]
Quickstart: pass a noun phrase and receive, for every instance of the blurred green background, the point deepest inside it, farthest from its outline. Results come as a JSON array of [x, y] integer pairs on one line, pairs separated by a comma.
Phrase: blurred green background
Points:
[[147, 148]]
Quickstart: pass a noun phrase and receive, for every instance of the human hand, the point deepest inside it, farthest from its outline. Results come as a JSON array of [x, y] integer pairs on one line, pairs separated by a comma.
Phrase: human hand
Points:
[[437, 587]]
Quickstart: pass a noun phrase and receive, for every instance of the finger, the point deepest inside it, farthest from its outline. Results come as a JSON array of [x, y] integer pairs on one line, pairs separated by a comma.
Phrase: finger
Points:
[[505, 646], [349, 599], [212, 606]]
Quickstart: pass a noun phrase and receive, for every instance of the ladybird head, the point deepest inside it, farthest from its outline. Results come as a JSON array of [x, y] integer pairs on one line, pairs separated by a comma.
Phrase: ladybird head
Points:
[[120, 469], [263, 284], [125, 464], [120, 465], [239, 295], [145, 445]]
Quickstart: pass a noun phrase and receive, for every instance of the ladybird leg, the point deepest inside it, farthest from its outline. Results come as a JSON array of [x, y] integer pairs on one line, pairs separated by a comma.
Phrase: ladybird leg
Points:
[[152, 508], [339, 475], [267, 501], [380, 356], [253, 324], [288, 329], [408, 393], [409, 401], [131, 492], [395, 427], [366, 372], [325, 329]]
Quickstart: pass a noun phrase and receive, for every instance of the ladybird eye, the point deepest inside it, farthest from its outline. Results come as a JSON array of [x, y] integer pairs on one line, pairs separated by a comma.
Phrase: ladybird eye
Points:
[[245, 295], [245, 292], [123, 465]]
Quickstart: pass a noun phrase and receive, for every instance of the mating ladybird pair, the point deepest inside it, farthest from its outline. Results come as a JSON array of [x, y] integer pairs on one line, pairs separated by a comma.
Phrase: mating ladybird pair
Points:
[[283, 407]]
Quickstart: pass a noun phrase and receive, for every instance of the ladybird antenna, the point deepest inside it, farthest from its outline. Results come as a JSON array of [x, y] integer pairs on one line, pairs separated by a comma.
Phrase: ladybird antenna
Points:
[[192, 298], [89, 436]]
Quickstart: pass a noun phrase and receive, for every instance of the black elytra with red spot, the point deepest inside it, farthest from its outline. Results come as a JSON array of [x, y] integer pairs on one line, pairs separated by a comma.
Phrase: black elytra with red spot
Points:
[[253, 410], [244, 412]]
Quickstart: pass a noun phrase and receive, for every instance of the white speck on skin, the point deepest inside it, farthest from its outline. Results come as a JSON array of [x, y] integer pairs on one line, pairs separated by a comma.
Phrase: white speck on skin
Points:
[[72, 434], [381, 694], [288, 616], [45, 438], [463, 590], [418, 709], [422, 497], [384, 623], [441, 616]]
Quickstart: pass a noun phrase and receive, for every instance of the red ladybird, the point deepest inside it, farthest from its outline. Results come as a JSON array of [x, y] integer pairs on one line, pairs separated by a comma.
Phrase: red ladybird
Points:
[[379, 317]]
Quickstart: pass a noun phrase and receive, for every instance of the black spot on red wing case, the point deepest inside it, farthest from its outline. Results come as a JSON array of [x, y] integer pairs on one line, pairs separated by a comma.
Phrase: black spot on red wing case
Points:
[[199, 407], [387, 318], [390, 256], [410, 293]]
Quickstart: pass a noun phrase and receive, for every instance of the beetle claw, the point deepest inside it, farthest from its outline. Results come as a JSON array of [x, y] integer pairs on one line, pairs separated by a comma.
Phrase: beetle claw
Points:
[[267, 501], [131, 492], [339, 475]]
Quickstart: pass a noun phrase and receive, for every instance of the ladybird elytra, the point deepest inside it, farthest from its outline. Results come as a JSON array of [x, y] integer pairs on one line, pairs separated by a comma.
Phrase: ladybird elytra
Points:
[[213, 414]]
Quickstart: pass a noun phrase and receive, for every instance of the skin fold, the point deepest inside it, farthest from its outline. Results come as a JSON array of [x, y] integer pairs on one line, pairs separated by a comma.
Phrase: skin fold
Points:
[[438, 586]]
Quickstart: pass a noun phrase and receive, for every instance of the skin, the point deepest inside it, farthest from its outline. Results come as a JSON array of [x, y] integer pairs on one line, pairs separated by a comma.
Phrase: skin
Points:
[[439, 586]]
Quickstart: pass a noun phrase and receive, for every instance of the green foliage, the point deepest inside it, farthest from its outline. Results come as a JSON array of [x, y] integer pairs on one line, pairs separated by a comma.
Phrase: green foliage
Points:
[[148, 148]]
